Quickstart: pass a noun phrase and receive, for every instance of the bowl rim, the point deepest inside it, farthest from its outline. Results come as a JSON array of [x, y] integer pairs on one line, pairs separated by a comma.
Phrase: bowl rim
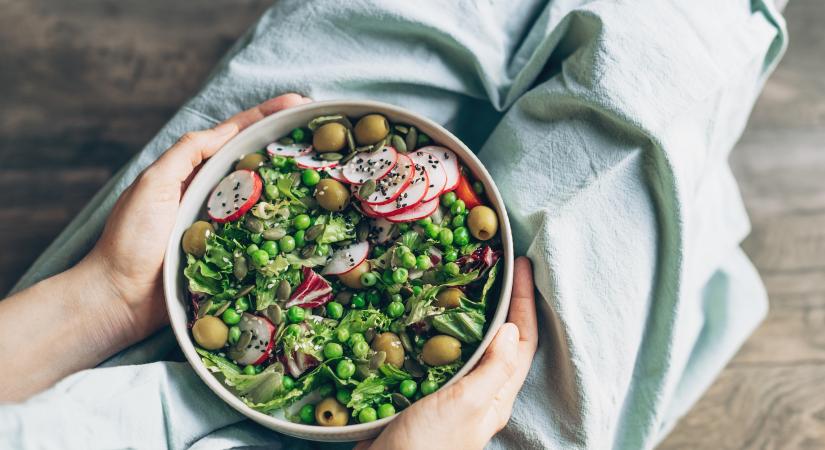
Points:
[[171, 275]]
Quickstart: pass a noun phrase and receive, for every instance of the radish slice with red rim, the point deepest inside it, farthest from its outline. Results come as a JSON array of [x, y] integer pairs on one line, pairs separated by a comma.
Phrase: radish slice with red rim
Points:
[[311, 160], [347, 258], [381, 230], [436, 175], [335, 173], [234, 196], [370, 165], [291, 150], [409, 198], [260, 346], [389, 187], [419, 212], [449, 162]]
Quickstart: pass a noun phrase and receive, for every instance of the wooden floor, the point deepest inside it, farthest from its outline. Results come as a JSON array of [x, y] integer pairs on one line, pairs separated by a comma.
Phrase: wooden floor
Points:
[[84, 84]]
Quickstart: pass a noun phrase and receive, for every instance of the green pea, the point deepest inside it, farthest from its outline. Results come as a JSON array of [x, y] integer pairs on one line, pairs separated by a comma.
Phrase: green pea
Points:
[[451, 254], [458, 207], [256, 238], [310, 177], [307, 414], [451, 269], [400, 275], [360, 349], [387, 276], [293, 330], [325, 390], [342, 334], [345, 369], [432, 230], [417, 290], [299, 238], [234, 334], [408, 260], [478, 187], [271, 191], [231, 317], [407, 388], [373, 297], [271, 247], [301, 221], [287, 383], [368, 279], [367, 414], [461, 236], [458, 221], [343, 396], [402, 227], [428, 387], [252, 248], [296, 314], [249, 369], [358, 301], [385, 410], [423, 140], [242, 304], [396, 298], [445, 236], [297, 135], [335, 310], [260, 258], [322, 249], [425, 221], [423, 262], [395, 309], [333, 350], [287, 244], [279, 161], [378, 251], [448, 199]]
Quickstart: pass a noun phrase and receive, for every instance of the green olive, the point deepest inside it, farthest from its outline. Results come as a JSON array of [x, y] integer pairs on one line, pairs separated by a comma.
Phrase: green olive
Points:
[[440, 350], [483, 222], [352, 279], [371, 129], [194, 239], [332, 195], [210, 332], [329, 138], [251, 162], [390, 344], [449, 298], [330, 413]]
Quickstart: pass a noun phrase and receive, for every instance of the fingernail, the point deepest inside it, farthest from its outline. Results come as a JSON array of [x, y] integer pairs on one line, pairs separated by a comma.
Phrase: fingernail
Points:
[[225, 129]]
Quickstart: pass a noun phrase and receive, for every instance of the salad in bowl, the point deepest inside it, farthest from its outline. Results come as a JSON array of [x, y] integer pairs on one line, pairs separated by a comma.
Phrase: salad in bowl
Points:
[[342, 272]]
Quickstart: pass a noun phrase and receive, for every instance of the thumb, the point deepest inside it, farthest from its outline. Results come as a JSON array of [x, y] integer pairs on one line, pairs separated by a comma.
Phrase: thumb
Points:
[[499, 364]]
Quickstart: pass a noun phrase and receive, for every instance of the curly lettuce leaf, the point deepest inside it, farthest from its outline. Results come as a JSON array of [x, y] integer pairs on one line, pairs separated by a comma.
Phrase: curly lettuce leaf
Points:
[[313, 261], [337, 229], [371, 391], [440, 374], [218, 255], [203, 278], [360, 320]]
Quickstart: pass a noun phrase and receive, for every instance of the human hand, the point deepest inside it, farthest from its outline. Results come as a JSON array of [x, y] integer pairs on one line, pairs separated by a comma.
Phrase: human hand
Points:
[[131, 250], [467, 414]]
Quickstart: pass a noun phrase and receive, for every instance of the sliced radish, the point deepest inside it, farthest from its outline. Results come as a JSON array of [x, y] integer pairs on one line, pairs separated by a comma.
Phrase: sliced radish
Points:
[[409, 198], [381, 230], [450, 164], [259, 347], [347, 258], [291, 150], [391, 185], [311, 160], [419, 212], [370, 166], [234, 195], [335, 173], [435, 172], [364, 208]]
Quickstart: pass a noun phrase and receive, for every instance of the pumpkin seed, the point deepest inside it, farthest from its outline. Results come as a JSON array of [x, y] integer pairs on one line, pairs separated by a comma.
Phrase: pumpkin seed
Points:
[[283, 213], [244, 291], [362, 369], [369, 335], [412, 139], [348, 157], [363, 231], [363, 148], [286, 140], [350, 141], [243, 340], [253, 224], [400, 401], [414, 368], [406, 342], [223, 308], [402, 129], [320, 121], [239, 267], [367, 188], [274, 314], [273, 234], [331, 156], [314, 232], [204, 306], [284, 289], [343, 297], [377, 359], [399, 143], [308, 251], [380, 144]]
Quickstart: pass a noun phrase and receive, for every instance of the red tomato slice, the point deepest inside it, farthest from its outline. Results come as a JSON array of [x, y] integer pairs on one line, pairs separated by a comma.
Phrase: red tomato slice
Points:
[[465, 192]]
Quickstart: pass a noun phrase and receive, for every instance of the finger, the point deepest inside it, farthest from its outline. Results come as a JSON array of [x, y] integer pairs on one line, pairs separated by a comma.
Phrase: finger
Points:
[[498, 365], [246, 118], [363, 445], [523, 305]]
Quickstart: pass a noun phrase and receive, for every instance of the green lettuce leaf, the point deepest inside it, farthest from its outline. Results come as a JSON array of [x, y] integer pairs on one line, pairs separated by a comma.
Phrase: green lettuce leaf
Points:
[[372, 390], [313, 261], [203, 278], [491, 280], [393, 375], [440, 374], [360, 320], [337, 229], [217, 255], [466, 326]]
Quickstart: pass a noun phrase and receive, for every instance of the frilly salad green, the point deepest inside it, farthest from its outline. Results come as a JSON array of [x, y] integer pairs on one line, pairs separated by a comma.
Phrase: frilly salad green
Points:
[[347, 269]]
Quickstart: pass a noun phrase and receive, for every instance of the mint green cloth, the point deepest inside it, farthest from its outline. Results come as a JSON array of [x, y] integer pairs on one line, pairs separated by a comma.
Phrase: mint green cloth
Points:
[[606, 125]]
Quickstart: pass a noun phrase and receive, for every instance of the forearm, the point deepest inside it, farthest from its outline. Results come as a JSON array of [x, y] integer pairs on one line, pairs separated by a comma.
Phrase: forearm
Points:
[[63, 324]]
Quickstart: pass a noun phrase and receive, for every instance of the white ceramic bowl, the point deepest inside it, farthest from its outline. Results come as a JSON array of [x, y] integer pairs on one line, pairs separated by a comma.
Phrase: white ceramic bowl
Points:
[[255, 138]]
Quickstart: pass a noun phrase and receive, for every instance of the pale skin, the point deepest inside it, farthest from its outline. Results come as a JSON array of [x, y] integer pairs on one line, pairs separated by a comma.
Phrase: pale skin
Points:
[[113, 298]]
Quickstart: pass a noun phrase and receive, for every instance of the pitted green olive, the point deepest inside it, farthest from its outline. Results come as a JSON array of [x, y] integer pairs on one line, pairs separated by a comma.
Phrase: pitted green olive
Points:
[[210, 332], [390, 344], [330, 137], [251, 162], [371, 129], [352, 279], [449, 298], [332, 195], [194, 239], [330, 413], [483, 222], [440, 350]]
